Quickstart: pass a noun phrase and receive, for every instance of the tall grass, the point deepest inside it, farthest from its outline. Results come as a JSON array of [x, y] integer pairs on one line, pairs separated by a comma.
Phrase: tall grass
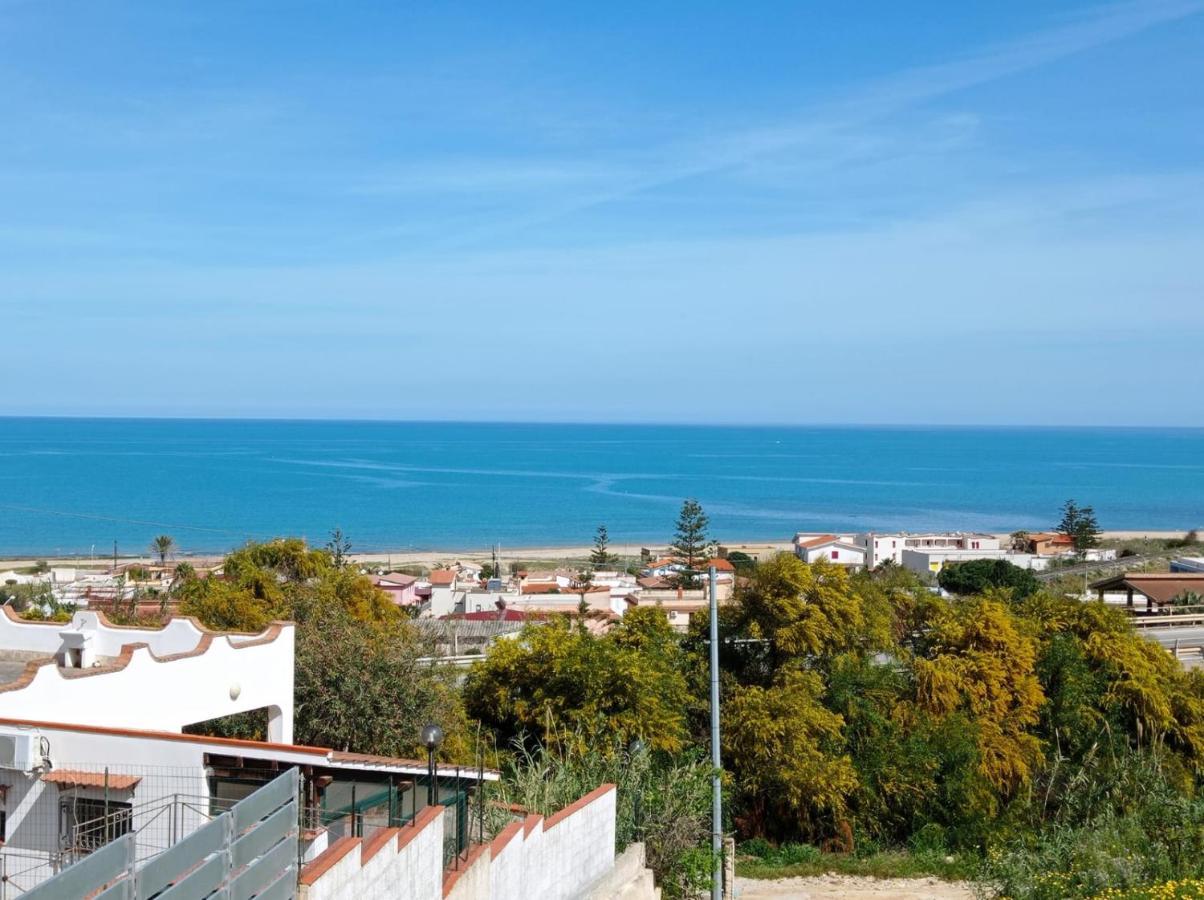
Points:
[[661, 801]]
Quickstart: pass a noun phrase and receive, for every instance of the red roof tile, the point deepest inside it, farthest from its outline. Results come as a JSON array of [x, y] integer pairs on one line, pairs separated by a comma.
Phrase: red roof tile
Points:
[[820, 541], [77, 778], [442, 577]]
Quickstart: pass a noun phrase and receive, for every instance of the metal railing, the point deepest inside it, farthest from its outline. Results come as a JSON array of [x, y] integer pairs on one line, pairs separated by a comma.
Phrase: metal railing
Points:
[[251, 850]]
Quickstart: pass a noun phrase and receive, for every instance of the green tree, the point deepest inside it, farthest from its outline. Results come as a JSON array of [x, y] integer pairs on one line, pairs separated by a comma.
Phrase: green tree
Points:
[[162, 547], [975, 659], [339, 548], [741, 562], [795, 612], [782, 746], [360, 687], [691, 543], [555, 684], [1079, 524], [975, 576], [601, 557]]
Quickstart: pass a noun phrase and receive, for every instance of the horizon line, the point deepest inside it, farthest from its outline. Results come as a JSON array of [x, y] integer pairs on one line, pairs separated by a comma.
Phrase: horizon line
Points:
[[630, 423]]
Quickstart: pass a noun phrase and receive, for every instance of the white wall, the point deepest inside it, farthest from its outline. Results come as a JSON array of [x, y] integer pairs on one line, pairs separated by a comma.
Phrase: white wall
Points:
[[152, 688], [409, 866], [556, 858], [932, 561]]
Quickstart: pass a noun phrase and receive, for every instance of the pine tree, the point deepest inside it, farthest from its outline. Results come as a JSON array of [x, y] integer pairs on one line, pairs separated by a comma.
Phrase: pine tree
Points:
[[338, 547], [691, 544], [1079, 524], [601, 557], [1086, 535]]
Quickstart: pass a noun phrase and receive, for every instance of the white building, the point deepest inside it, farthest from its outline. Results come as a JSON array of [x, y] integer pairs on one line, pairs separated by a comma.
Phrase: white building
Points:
[[881, 547], [92, 744], [932, 561], [89, 672], [838, 549]]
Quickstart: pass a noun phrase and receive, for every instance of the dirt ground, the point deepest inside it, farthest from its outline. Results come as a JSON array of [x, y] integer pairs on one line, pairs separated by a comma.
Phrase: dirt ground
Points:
[[848, 887]]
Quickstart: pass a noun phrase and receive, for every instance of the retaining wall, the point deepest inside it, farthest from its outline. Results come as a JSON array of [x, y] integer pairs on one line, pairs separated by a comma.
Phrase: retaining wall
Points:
[[403, 863], [567, 855]]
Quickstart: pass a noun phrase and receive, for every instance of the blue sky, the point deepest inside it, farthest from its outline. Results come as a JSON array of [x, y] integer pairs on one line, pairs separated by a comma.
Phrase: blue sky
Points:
[[923, 212]]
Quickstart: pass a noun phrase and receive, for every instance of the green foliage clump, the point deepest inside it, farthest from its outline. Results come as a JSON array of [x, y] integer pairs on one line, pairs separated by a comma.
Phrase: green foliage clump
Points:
[[976, 576], [555, 682]]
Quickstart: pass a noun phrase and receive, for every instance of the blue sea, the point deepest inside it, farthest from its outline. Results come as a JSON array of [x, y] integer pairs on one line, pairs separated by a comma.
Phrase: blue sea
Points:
[[73, 486]]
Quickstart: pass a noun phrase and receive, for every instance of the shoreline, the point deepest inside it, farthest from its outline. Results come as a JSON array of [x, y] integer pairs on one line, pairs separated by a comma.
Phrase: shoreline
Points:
[[551, 553]]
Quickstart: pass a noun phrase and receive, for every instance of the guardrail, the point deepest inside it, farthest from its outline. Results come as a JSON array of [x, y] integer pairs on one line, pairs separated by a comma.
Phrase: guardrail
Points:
[[250, 851]]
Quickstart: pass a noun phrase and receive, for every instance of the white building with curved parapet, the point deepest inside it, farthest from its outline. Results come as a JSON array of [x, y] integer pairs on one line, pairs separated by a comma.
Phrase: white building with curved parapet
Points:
[[91, 672]]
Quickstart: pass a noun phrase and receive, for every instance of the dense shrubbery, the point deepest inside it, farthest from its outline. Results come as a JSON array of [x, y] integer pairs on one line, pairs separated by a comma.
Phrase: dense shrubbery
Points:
[[978, 575], [358, 683], [861, 712], [663, 800]]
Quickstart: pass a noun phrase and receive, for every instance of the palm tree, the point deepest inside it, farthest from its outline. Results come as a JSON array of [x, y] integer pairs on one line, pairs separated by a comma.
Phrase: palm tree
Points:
[[162, 546]]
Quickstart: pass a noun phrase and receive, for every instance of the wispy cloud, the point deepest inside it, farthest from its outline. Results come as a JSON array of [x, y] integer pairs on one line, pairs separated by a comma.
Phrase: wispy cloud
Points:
[[830, 133]]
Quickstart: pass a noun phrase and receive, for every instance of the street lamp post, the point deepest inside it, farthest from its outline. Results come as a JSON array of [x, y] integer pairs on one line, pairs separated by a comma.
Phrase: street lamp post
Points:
[[432, 737]]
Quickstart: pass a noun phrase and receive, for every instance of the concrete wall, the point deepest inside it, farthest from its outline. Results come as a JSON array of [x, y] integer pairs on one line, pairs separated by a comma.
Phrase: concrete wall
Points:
[[403, 863], [932, 561], [570, 854], [159, 680]]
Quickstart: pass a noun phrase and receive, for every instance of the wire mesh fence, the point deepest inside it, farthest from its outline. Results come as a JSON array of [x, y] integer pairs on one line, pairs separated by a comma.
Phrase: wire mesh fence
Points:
[[55, 818], [51, 819]]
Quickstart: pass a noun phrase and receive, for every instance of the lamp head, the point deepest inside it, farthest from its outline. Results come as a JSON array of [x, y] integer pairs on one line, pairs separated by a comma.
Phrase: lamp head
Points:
[[431, 736]]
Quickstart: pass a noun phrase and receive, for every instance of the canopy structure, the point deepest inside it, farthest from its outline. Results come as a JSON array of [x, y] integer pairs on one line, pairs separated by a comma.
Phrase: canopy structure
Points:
[[1158, 588]]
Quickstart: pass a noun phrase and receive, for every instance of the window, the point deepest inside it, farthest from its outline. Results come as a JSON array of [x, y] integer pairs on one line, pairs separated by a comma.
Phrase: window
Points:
[[86, 825], [836, 554], [3, 813]]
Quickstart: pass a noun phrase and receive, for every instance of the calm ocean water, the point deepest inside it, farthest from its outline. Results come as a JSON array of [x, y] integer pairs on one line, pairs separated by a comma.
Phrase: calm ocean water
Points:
[[68, 485]]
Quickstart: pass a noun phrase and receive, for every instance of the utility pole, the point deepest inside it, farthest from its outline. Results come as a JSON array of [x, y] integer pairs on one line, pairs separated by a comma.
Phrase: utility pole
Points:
[[716, 761]]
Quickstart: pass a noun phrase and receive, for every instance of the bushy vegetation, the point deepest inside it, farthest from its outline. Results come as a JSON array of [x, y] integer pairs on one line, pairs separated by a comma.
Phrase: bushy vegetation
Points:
[[978, 575], [359, 685], [871, 726], [1031, 737]]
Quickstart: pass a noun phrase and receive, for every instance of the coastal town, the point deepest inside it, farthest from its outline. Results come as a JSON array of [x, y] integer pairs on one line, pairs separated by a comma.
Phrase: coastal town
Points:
[[99, 748], [483, 586]]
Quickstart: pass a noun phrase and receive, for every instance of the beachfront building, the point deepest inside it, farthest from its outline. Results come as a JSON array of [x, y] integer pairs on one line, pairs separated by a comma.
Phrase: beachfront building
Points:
[[883, 547], [833, 548], [930, 562], [1050, 543]]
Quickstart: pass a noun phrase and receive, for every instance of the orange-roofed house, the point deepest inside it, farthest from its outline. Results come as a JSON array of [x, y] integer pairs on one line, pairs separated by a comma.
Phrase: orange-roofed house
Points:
[[1050, 543], [832, 548]]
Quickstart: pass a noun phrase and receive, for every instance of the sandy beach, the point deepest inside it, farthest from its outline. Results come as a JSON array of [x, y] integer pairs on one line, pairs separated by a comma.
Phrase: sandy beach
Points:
[[412, 557]]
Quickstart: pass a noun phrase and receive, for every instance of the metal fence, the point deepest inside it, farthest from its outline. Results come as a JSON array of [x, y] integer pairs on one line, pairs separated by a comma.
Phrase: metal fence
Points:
[[75, 809], [248, 851]]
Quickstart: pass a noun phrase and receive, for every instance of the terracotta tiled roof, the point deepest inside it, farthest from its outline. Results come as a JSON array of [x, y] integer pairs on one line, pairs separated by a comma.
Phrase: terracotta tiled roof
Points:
[[442, 577], [77, 778], [396, 579], [1161, 587], [820, 541], [721, 565], [552, 587]]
